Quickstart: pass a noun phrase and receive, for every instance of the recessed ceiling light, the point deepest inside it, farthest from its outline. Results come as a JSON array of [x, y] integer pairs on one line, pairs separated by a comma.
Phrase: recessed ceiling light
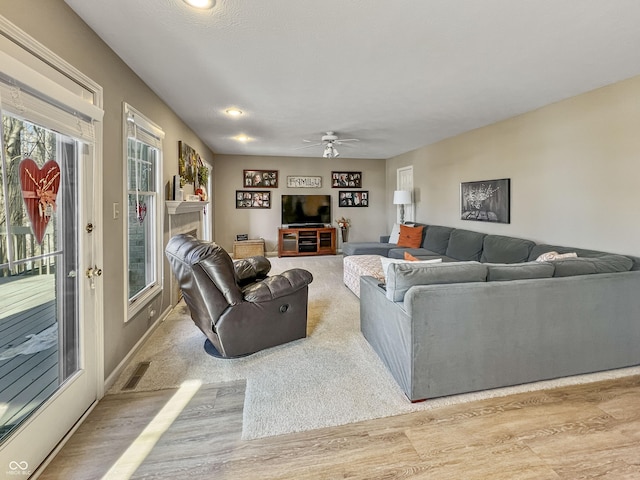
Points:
[[204, 4], [242, 138], [234, 112]]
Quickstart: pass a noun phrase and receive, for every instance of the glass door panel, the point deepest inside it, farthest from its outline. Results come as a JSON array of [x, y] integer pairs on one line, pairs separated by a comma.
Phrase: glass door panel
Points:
[[40, 348]]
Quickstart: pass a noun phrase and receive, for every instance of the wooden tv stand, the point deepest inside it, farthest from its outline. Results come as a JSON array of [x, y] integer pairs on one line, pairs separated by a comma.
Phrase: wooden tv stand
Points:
[[298, 241]]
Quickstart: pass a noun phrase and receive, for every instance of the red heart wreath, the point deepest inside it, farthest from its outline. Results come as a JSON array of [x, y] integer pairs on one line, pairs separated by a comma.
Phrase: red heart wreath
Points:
[[39, 191]]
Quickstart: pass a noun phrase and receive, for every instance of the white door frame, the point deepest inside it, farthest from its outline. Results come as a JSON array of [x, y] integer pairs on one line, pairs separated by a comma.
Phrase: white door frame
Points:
[[33, 64], [404, 181]]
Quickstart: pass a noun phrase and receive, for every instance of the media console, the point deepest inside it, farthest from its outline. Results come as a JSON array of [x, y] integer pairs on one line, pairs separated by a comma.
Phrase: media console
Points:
[[297, 241]]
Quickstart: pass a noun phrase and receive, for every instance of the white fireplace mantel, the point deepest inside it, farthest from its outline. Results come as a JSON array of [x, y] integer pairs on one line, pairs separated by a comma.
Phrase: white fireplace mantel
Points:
[[184, 217], [175, 207]]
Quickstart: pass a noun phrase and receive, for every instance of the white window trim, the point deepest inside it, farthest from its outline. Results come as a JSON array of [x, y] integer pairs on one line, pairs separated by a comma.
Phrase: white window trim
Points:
[[132, 308]]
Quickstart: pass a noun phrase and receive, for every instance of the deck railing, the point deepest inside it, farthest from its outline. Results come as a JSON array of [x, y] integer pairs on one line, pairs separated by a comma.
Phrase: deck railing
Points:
[[30, 258]]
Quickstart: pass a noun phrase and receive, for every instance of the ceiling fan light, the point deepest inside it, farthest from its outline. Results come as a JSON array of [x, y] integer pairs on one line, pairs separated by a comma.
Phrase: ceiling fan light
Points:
[[202, 4]]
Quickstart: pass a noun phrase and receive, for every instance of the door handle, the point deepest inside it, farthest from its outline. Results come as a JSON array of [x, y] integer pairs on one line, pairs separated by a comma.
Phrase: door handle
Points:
[[94, 272], [91, 273]]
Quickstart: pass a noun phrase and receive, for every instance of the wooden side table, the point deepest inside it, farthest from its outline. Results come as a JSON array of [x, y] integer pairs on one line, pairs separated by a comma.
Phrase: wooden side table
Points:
[[248, 248]]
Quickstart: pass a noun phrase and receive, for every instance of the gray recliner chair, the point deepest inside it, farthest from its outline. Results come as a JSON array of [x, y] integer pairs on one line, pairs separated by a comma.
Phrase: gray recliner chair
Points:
[[237, 306]]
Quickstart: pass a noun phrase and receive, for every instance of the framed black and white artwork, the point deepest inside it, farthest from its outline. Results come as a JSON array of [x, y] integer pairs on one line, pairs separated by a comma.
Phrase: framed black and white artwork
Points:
[[353, 198], [253, 199], [346, 179], [260, 178], [486, 201]]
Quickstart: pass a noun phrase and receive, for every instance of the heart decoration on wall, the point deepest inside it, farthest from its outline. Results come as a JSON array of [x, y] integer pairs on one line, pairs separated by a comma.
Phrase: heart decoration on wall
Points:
[[39, 192]]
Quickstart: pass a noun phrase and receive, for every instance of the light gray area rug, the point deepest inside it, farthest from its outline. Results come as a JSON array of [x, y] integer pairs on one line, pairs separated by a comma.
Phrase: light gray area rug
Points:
[[330, 378]]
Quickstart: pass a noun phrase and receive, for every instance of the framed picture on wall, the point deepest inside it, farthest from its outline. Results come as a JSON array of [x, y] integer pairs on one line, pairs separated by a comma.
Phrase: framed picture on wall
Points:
[[187, 162], [353, 198], [486, 201], [346, 179], [260, 178], [253, 199]]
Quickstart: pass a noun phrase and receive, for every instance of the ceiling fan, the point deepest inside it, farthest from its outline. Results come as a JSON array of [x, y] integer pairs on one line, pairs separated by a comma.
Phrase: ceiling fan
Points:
[[329, 142]]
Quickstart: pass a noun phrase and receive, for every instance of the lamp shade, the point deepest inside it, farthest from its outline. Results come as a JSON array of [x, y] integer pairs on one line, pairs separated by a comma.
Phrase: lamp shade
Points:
[[401, 197]]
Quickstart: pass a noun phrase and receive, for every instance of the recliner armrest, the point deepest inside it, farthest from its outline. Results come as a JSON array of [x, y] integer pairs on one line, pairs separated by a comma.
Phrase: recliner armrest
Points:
[[250, 269], [277, 286]]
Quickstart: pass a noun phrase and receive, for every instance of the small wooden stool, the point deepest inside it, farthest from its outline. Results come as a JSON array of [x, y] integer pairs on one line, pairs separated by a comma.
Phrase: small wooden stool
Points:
[[248, 248]]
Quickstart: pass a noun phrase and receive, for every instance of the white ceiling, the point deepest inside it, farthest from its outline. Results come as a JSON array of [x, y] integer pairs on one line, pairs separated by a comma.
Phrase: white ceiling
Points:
[[396, 74]]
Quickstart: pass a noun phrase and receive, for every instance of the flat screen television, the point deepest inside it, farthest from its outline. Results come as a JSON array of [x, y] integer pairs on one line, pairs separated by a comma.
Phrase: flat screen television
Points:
[[306, 210]]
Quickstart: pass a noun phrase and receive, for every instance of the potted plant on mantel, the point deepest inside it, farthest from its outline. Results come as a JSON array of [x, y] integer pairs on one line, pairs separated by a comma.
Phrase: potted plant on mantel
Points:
[[202, 177]]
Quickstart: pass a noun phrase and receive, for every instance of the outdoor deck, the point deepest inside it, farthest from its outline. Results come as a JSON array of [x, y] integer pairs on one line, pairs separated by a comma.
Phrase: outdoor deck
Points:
[[29, 372]]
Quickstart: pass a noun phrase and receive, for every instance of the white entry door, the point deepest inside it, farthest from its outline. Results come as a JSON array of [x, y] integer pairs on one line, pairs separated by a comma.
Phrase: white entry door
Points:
[[405, 182], [47, 306], [49, 274]]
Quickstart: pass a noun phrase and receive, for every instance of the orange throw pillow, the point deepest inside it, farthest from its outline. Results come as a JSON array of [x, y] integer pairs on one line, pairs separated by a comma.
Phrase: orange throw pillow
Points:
[[410, 237], [411, 258]]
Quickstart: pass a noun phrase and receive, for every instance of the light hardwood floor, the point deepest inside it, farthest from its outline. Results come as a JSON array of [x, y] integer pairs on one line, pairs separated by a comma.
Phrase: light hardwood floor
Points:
[[578, 432]]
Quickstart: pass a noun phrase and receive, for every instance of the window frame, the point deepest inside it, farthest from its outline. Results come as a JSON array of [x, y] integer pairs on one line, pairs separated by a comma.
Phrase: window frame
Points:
[[150, 134]]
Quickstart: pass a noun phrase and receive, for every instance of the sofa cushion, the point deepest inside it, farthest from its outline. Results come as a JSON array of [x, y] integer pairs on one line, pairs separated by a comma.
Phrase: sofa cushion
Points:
[[437, 238], [367, 248], [501, 249], [586, 266], [411, 258], [399, 252], [410, 236], [402, 276], [395, 261], [465, 245], [499, 272]]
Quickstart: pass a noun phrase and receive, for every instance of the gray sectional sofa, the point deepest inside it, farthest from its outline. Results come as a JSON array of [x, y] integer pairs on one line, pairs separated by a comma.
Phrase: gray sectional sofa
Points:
[[492, 316]]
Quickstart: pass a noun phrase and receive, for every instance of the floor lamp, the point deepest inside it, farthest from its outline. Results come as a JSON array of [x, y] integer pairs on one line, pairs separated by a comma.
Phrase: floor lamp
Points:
[[402, 198]]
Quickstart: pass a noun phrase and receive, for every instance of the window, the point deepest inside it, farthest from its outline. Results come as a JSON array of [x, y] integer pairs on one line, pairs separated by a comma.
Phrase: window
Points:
[[144, 209]]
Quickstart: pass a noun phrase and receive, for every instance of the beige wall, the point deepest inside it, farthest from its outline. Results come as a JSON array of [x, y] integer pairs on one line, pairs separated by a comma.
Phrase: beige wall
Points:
[[574, 168], [53, 24], [367, 223]]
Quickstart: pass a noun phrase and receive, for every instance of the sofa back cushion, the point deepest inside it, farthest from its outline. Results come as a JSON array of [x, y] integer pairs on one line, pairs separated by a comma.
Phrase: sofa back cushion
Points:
[[500, 272], [465, 245], [385, 262], [501, 249], [586, 266], [402, 276], [437, 238], [410, 236]]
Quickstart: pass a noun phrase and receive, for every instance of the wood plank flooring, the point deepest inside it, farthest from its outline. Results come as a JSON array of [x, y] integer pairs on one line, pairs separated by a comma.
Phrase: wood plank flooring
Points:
[[579, 432]]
